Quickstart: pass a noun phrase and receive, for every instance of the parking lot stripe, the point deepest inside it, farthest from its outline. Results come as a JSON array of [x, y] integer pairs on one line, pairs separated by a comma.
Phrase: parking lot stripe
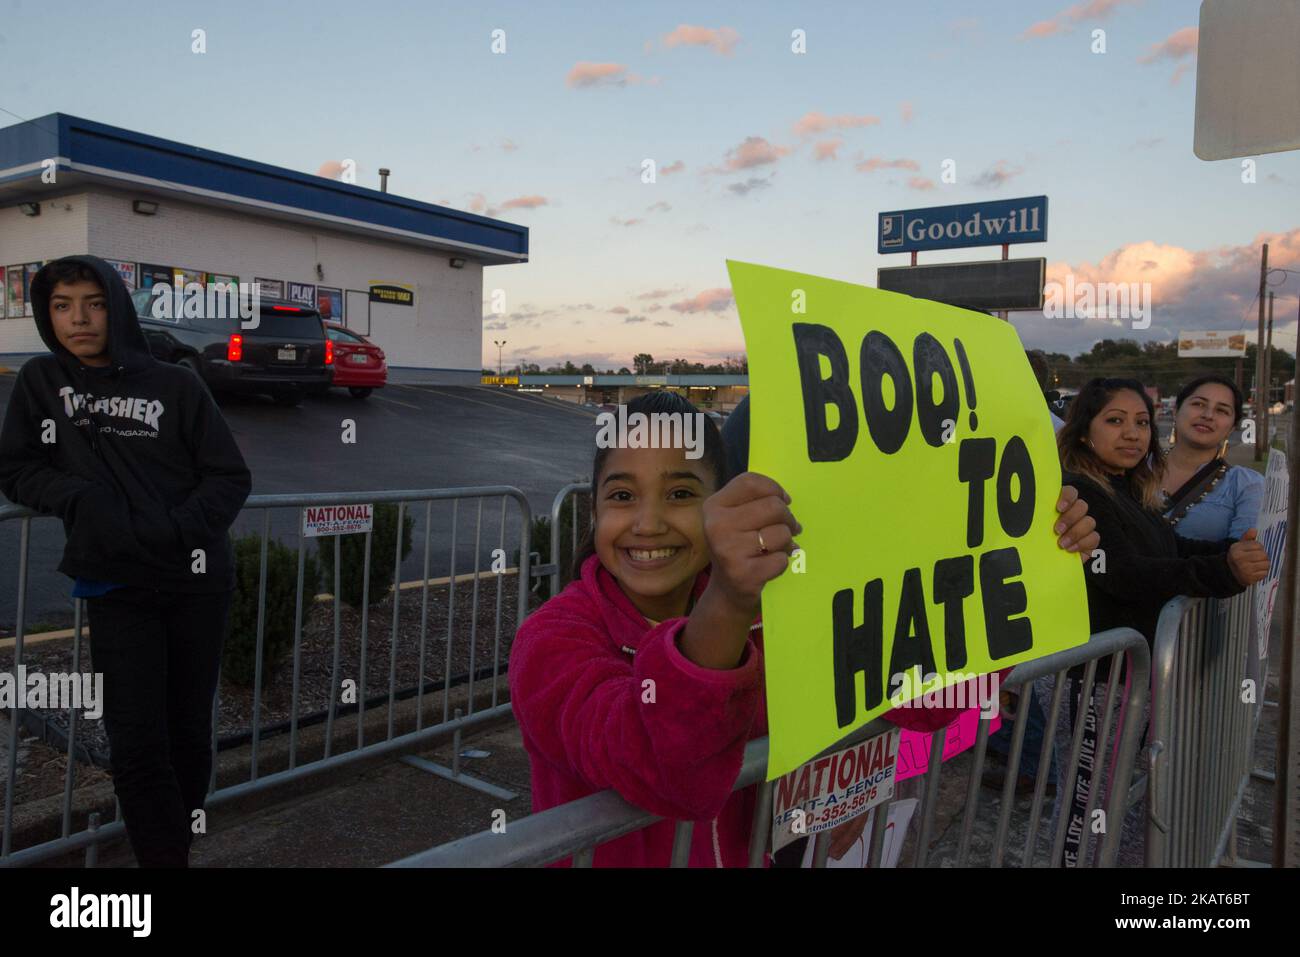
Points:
[[559, 404], [397, 402], [464, 398]]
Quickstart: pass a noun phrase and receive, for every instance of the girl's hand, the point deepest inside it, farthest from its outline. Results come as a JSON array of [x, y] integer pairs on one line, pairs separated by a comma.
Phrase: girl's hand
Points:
[[750, 531], [1248, 560], [1077, 530]]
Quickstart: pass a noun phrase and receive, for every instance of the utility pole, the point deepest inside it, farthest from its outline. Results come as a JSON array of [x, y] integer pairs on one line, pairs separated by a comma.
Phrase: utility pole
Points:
[[1268, 369], [1261, 424]]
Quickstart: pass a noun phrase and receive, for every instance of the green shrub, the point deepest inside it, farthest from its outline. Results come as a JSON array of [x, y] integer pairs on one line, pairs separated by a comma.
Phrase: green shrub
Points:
[[541, 540], [239, 656], [352, 556]]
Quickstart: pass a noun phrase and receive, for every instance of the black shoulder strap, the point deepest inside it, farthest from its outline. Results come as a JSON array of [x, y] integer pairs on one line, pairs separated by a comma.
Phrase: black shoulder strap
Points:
[[1197, 487]]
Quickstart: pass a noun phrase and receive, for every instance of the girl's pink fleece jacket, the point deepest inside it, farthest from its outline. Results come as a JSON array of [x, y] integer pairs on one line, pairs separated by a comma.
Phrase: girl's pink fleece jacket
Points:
[[579, 673]]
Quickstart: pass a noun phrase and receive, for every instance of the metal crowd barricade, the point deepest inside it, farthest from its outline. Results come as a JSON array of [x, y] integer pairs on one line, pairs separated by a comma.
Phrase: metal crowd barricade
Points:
[[1203, 727], [560, 570], [577, 828], [448, 727]]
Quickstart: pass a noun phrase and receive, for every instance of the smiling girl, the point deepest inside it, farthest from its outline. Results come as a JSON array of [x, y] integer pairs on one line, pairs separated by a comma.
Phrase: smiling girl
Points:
[[645, 674]]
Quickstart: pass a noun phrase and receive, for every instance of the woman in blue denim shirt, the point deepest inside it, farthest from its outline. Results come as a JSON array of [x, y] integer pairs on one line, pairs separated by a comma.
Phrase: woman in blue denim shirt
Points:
[[1205, 497]]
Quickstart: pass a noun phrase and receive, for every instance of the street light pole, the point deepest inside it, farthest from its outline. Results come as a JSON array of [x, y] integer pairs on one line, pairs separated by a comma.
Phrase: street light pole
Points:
[[500, 344]]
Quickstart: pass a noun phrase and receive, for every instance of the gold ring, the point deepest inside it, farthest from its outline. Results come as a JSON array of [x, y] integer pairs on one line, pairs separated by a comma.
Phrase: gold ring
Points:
[[762, 545]]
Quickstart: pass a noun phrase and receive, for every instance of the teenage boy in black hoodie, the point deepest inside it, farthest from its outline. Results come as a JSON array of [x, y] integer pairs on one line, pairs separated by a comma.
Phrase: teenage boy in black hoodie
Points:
[[134, 456]]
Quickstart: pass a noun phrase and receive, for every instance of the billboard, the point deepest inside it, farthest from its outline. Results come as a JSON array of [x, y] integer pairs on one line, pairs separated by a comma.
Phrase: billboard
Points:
[[990, 285], [1021, 220], [1209, 345]]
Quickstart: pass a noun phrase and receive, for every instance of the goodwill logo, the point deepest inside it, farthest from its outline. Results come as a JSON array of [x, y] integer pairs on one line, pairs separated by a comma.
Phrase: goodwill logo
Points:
[[147, 411]]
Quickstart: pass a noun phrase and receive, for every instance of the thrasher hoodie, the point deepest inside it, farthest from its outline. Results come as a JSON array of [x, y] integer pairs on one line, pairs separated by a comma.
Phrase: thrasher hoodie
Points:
[[135, 457]]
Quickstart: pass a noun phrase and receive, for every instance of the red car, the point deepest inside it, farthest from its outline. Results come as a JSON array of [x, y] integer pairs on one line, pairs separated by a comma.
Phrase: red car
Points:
[[358, 362]]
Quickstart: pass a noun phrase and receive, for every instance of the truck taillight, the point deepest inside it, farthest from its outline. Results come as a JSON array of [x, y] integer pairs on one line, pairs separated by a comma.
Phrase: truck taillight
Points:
[[235, 348], [329, 352]]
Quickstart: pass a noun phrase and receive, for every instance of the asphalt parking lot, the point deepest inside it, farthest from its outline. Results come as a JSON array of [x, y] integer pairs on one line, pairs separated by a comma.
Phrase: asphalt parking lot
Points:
[[407, 437]]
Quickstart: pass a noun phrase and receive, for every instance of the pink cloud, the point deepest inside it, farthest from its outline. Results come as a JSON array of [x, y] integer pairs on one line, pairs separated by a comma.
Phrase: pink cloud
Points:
[[477, 203], [754, 151], [524, 202], [812, 123], [330, 169], [656, 294], [905, 111], [876, 162], [920, 183], [721, 40], [710, 300], [1044, 28], [1179, 44], [620, 310], [827, 149], [671, 168], [587, 74], [625, 222], [1193, 289], [1091, 10], [998, 174]]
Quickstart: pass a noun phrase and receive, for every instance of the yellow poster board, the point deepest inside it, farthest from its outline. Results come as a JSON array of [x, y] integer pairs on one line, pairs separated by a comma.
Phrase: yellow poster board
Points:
[[920, 458]]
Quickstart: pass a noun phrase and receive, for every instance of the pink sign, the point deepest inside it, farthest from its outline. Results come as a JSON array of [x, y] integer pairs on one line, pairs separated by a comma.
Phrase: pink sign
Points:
[[914, 746]]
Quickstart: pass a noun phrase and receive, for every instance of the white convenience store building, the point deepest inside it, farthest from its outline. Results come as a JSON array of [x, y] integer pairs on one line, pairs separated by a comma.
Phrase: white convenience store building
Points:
[[407, 274]]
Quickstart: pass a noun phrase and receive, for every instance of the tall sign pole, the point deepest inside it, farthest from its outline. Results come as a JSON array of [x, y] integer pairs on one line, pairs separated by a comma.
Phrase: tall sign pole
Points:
[[1261, 421]]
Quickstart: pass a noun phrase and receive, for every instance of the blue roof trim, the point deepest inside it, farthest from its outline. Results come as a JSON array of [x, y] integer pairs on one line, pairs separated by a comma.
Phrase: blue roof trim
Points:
[[89, 144]]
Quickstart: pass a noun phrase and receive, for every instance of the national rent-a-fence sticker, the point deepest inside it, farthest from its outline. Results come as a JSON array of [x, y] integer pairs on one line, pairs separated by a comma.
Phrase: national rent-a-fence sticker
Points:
[[320, 520]]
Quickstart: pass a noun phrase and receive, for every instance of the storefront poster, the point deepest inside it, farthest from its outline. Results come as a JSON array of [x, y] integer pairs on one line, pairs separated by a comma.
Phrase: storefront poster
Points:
[[302, 292], [126, 271], [152, 274], [394, 293], [269, 288], [183, 277], [29, 273], [14, 287], [330, 303]]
